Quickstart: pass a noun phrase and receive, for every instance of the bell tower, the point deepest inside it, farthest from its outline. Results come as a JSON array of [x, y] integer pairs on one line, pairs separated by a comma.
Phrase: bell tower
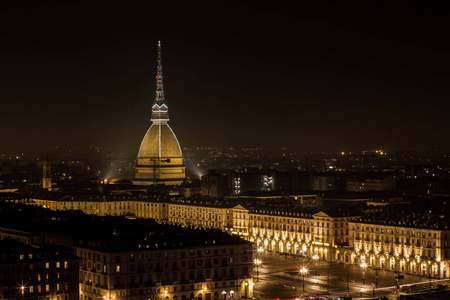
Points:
[[47, 174]]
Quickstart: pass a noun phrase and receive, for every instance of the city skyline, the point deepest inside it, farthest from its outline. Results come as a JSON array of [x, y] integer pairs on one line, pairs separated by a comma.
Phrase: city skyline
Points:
[[338, 76]]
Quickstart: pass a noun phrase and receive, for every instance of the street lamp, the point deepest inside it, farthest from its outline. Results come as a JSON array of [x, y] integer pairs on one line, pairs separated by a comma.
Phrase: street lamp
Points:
[[364, 266], [257, 262], [303, 271], [315, 258]]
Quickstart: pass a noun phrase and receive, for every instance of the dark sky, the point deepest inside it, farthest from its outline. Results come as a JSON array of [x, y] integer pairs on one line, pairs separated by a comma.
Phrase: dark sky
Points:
[[325, 76]]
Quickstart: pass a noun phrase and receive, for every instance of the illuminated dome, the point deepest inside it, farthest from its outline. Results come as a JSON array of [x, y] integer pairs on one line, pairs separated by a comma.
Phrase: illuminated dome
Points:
[[160, 141], [159, 159]]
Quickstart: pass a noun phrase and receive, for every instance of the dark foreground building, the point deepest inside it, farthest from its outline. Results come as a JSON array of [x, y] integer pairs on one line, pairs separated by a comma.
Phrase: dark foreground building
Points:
[[37, 273], [135, 259], [145, 260]]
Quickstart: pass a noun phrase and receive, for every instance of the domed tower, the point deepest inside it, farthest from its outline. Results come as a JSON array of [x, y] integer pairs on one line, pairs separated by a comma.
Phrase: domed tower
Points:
[[160, 160]]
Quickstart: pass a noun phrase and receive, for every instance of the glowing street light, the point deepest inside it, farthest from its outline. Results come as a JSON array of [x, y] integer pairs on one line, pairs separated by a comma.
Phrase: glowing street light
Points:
[[315, 258], [364, 266], [303, 271], [257, 262]]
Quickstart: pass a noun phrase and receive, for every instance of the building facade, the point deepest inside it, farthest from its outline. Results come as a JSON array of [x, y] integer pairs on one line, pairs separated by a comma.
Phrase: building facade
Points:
[[37, 273], [326, 235], [119, 258], [219, 272], [418, 249]]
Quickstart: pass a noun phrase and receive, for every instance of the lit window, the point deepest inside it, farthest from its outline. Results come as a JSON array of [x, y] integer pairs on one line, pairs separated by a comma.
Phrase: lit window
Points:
[[47, 265], [39, 277], [39, 289], [58, 264], [31, 289], [118, 268], [66, 265], [47, 287]]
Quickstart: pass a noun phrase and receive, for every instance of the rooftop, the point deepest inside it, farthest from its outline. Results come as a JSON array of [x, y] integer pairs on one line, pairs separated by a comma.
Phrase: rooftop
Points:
[[110, 233]]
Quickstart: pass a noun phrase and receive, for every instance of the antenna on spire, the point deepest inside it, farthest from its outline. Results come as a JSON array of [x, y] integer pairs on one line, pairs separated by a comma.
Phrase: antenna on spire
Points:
[[159, 82], [159, 108]]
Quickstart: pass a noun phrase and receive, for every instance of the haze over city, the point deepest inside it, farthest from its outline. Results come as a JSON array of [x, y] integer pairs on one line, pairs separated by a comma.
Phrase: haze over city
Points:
[[321, 77]]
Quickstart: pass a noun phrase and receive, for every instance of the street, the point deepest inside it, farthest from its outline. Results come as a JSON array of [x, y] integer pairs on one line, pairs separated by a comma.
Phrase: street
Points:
[[280, 276]]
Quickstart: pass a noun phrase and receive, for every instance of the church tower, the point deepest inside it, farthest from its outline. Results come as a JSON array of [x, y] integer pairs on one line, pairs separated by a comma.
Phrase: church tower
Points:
[[47, 174], [159, 160]]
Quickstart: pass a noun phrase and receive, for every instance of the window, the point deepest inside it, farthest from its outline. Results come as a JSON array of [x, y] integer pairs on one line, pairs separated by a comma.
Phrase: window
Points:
[[47, 265], [118, 268], [31, 289], [47, 287], [66, 265], [58, 265]]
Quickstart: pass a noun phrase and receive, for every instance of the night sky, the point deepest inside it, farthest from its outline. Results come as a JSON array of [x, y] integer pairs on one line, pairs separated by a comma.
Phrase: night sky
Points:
[[325, 76]]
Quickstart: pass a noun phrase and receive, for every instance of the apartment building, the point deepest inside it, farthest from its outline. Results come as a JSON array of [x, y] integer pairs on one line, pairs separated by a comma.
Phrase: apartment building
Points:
[[330, 235], [37, 273], [419, 247]]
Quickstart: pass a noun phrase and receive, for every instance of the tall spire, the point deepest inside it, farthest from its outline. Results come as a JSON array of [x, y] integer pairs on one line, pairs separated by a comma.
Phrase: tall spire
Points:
[[159, 109]]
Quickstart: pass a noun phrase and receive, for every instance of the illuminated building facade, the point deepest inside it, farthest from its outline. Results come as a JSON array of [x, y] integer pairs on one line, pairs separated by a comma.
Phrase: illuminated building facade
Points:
[[386, 183], [305, 234], [204, 272], [327, 235], [160, 160], [410, 248]]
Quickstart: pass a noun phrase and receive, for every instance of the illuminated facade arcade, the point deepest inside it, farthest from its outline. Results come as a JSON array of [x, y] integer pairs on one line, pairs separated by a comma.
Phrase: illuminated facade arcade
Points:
[[160, 160], [411, 248]]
